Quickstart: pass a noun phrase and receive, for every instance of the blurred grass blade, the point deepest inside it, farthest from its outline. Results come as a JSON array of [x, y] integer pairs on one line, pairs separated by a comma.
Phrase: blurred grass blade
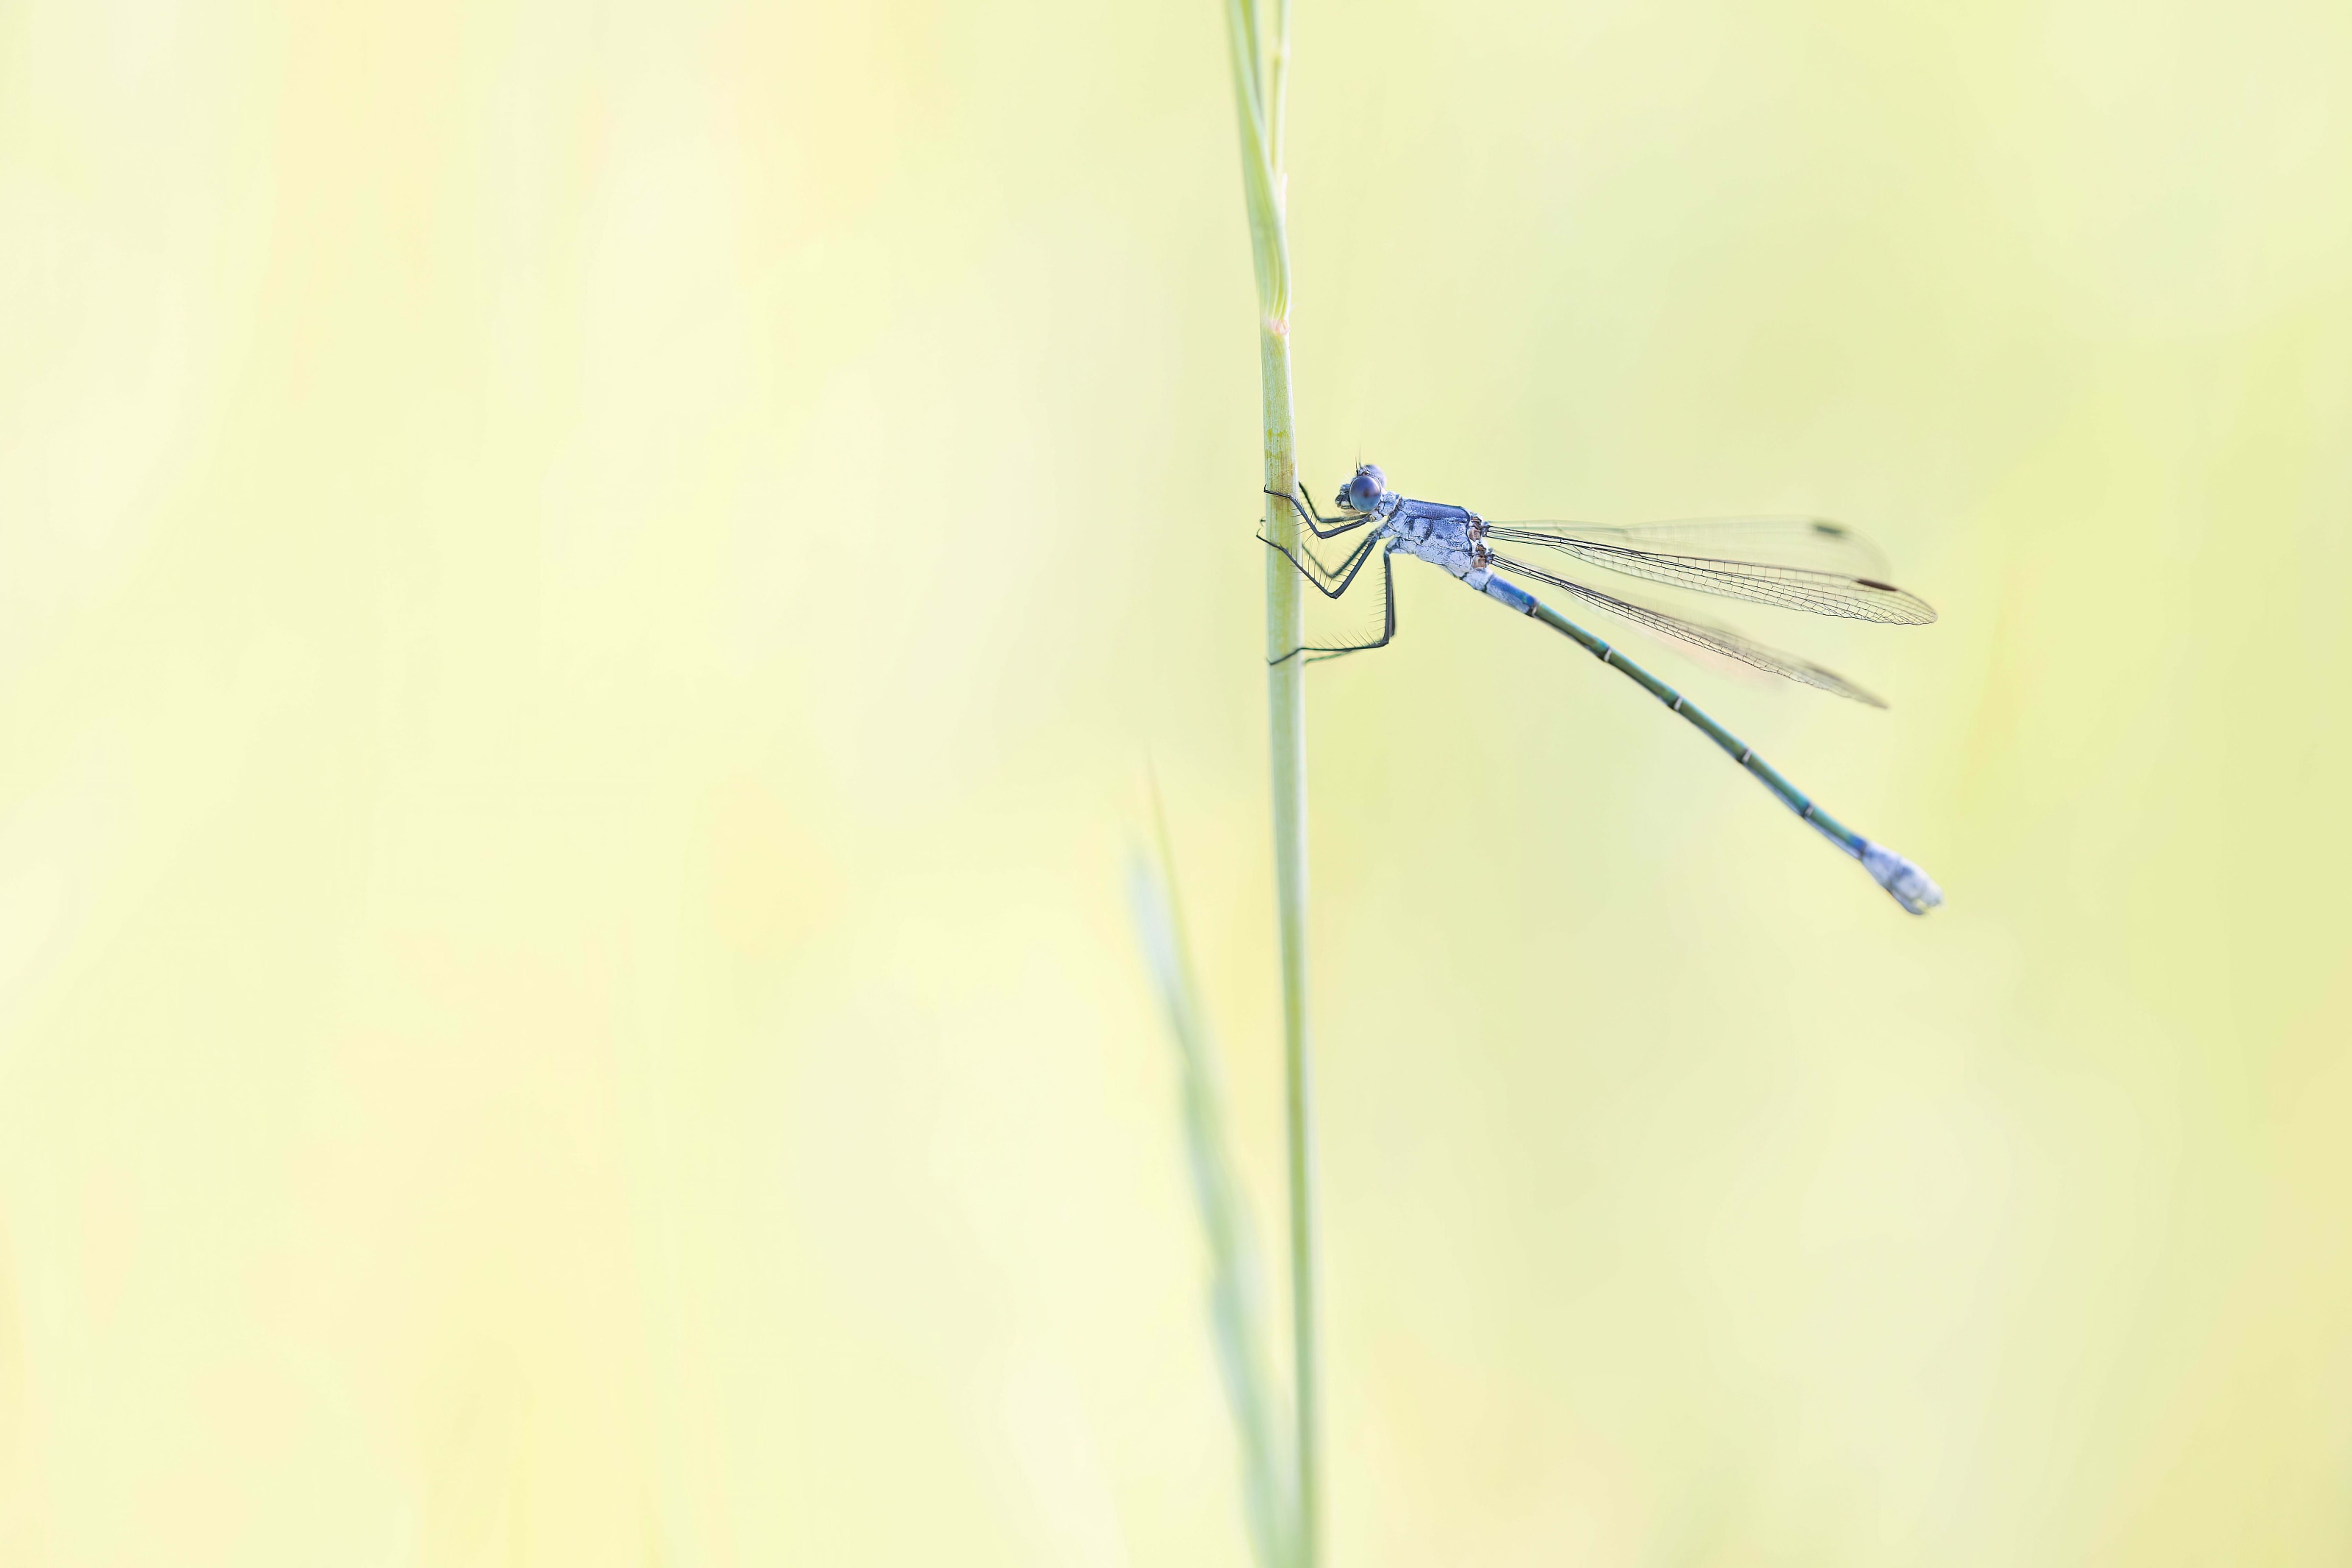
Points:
[[1236, 1310]]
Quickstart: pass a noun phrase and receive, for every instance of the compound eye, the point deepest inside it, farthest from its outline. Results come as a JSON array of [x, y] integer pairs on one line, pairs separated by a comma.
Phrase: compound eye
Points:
[[1365, 488]]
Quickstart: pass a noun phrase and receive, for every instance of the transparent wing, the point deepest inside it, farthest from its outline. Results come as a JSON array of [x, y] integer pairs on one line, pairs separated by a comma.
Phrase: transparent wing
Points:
[[1778, 540], [1795, 563], [1714, 639]]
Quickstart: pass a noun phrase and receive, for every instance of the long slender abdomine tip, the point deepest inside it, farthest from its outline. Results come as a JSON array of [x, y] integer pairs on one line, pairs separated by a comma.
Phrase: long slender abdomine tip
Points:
[[1912, 888]]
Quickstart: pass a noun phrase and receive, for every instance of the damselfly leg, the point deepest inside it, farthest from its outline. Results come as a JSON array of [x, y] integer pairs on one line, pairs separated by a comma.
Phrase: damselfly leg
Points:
[[1332, 580], [1318, 571], [1321, 526], [1332, 584]]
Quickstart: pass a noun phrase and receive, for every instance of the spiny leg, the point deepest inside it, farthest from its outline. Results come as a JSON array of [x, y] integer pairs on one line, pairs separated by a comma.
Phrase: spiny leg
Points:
[[1347, 519], [1310, 517], [1306, 560], [1388, 623], [1317, 652], [1330, 581]]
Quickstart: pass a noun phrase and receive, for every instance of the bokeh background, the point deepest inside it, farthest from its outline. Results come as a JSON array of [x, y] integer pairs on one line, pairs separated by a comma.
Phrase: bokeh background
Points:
[[585, 593]]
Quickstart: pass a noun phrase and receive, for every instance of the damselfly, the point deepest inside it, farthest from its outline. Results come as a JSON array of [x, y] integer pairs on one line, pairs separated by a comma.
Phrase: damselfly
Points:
[[1756, 559]]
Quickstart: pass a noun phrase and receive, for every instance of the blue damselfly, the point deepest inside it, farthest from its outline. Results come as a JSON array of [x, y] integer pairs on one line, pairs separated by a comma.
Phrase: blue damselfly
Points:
[[1755, 559]]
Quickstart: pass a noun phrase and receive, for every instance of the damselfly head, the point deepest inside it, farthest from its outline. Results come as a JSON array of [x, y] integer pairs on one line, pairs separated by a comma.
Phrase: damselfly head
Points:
[[1364, 489]]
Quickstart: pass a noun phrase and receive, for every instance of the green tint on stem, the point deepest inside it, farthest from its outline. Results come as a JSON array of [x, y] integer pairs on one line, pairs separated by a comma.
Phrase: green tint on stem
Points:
[[1260, 69]]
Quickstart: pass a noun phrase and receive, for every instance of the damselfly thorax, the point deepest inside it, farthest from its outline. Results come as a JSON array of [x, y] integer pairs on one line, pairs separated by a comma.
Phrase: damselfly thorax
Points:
[[1452, 539]]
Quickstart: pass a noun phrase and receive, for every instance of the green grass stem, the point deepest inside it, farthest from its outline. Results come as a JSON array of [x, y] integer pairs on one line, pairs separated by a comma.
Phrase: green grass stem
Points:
[[1260, 68]]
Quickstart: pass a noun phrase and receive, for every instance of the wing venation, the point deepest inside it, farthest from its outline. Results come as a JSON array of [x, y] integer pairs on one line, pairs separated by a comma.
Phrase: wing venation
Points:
[[1708, 562], [1700, 634]]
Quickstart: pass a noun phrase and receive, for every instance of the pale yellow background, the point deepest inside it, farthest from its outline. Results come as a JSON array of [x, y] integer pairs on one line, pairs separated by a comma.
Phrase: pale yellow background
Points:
[[585, 591]]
